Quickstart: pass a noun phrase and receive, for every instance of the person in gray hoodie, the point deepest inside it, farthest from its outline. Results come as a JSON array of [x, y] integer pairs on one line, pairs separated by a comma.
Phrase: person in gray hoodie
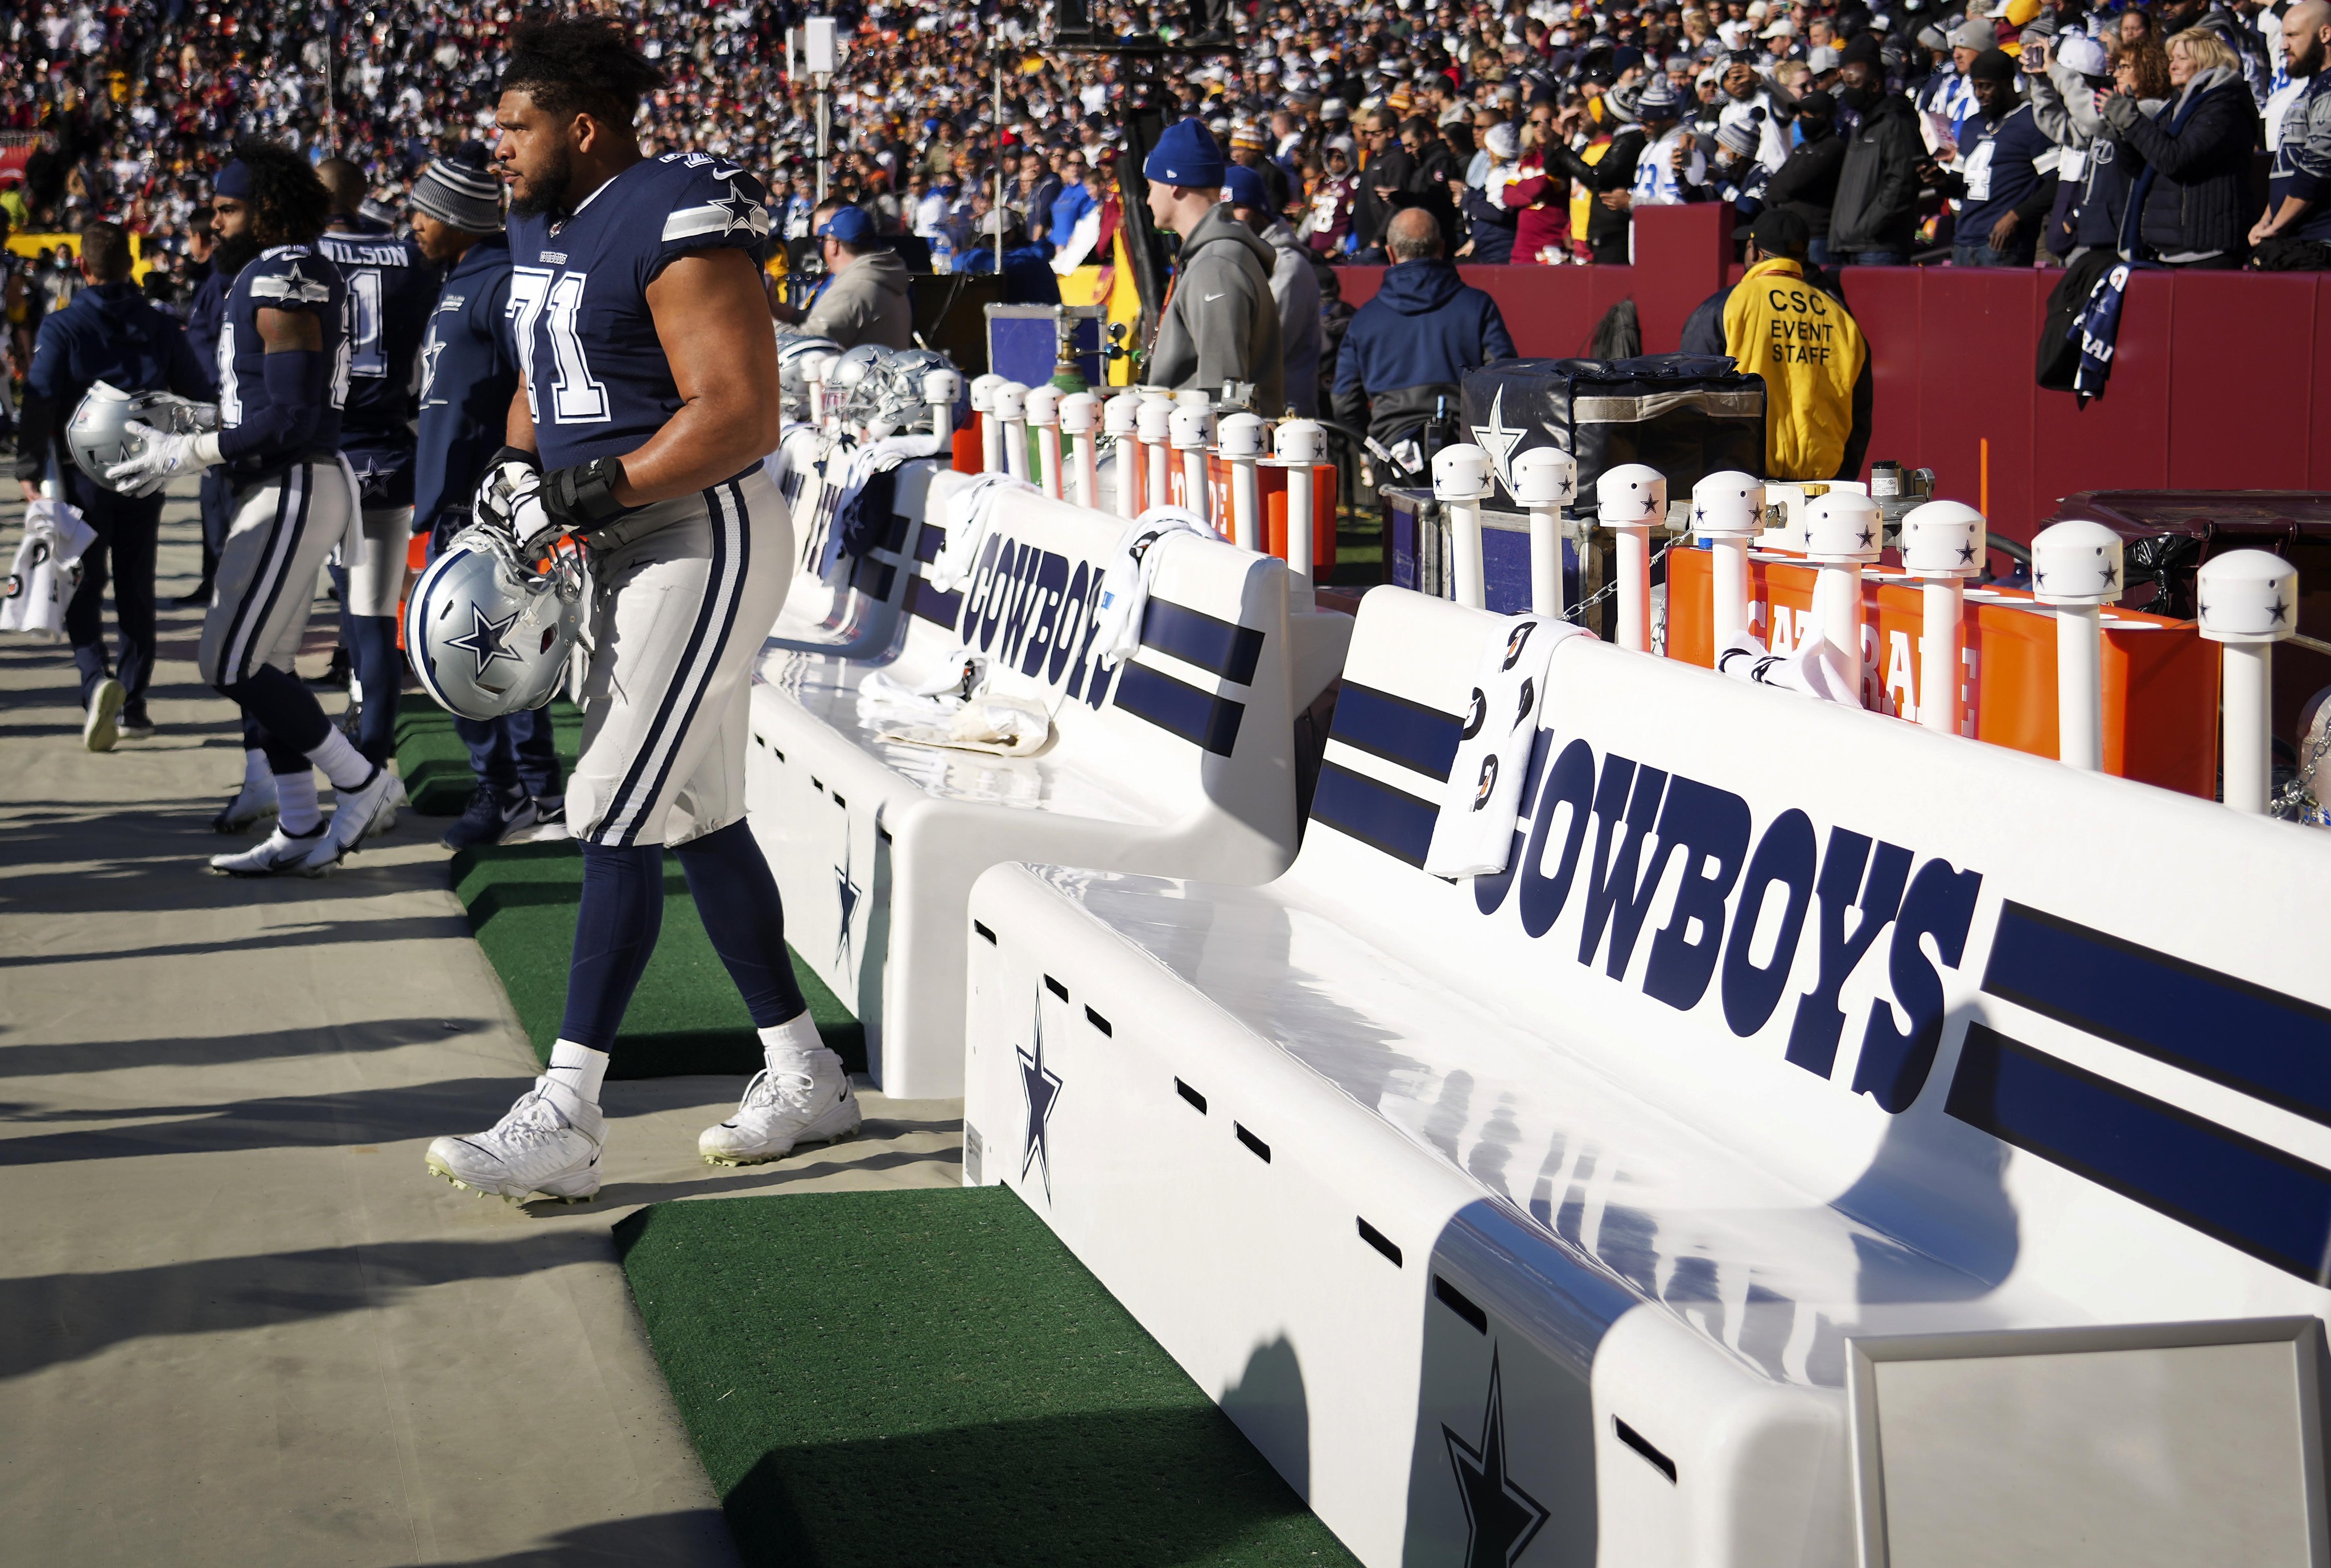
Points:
[[1293, 285], [1221, 323], [865, 300]]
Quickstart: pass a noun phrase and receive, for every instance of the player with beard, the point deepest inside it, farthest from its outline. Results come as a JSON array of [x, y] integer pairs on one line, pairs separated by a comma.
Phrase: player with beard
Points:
[[649, 397], [282, 361]]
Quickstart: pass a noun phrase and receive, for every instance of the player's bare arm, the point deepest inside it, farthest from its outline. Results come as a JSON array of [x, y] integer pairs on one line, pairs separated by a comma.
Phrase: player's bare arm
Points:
[[712, 319]]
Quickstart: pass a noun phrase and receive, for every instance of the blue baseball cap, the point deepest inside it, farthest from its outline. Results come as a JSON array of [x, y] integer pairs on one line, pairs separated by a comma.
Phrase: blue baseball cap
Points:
[[1186, 154], [849, 224], [1246, 187]]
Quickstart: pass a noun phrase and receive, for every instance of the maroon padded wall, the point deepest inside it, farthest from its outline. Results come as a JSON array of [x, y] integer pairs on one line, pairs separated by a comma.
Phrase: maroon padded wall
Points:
[[2212, 385]]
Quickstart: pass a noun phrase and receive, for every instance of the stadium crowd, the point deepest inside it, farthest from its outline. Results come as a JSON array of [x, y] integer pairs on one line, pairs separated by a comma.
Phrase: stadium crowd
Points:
[[1528, 129]]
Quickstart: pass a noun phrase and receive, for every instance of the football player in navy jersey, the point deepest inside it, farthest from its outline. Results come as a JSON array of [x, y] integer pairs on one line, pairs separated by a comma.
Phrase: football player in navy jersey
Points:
[[469, 375], [283, 371], [649, 397], [392, 288]]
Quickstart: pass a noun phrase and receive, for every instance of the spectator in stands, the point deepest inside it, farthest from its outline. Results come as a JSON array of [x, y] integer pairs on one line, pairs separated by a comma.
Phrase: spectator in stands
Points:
[[1408, 349], [2065, 77], [1748, 100], [1028, 275], [1386, 173], [2294, 232], [1610, 180], [1075, 200], [1334, 194], [1806, 185], [1874, 222], [2197, 153], [865, 297], [1294, 286], [1489, 223], [2004, 193]]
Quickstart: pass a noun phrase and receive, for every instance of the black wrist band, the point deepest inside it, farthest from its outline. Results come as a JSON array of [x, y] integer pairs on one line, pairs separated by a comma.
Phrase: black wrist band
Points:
[[516, 454], [584, 496]]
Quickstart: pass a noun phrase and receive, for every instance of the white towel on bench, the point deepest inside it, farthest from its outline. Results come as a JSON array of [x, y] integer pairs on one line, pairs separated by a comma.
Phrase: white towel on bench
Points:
[[969, 512], [1124, 586], [1818, 669], [1473, 835]]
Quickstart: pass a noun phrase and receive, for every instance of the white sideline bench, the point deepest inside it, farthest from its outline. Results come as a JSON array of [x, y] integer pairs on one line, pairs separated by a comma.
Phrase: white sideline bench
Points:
[[851, 606], [1182, 759], [1424, 1196]]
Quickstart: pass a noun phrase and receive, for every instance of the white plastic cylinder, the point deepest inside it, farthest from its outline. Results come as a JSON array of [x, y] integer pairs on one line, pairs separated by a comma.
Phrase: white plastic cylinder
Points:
[[1043, 405], [990, 428], [1939, 657], [1298, 444], [1545, 479], [1837, 606], [2249, 601], [1460, 480], [1630, 499], [941, 388], [1727, 510], [1120, 416], [1155, 423], [2075, 568], [2081, 686], [2246, 682], [1080, 412], [816, 381], [1011, 401], [1843, 531], [1239, 438], [1192, 428]]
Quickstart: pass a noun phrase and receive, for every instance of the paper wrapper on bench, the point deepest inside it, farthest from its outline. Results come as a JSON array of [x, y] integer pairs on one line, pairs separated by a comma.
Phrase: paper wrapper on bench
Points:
[[1686, 416]]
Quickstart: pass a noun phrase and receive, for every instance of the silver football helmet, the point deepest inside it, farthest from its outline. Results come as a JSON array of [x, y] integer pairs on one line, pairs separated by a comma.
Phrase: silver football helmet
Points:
[[797, 352], [97, 436], [488, 634], [896, 393]]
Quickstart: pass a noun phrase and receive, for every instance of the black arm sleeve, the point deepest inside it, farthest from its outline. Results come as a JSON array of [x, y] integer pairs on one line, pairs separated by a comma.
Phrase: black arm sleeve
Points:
[[36, 423]]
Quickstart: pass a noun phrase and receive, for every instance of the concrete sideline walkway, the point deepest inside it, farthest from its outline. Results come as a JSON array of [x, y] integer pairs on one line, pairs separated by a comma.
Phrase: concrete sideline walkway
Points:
[[238, 1323]]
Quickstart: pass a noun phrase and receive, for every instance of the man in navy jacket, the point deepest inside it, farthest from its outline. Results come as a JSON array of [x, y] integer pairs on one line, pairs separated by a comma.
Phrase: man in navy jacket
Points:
[[1411, 346]]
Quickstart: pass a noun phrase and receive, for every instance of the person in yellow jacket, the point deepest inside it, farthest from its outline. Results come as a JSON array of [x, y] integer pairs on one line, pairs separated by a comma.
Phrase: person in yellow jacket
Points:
[[1785, 322]]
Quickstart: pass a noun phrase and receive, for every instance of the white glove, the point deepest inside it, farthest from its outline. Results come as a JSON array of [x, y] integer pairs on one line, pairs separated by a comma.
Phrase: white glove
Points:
[[509, 497], [160, 457]]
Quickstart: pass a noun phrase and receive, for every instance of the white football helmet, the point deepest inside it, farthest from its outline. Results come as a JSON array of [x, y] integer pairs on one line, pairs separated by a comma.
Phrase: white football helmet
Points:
[[488, 634], [97, 433], [797, 354]]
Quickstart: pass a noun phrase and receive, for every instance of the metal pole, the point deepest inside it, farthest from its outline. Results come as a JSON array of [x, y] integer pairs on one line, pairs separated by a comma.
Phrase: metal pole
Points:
[[824, 131], [999, 162]]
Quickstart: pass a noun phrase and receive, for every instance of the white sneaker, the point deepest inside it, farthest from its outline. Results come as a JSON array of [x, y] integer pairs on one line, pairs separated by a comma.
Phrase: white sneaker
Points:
[[783, 1108], [98, 728], [251, 804], [279, 854], [357, 815], [536, 1149]]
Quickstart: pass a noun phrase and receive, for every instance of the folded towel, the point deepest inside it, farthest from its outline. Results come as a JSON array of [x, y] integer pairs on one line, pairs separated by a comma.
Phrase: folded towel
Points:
[[1818, 669], [1473, 836], [1125, 584]]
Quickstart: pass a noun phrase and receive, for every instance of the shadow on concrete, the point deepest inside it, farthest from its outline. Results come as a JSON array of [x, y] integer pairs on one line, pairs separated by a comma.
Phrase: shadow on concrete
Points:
[[382, 1116], [778, 1174], [211, 1051], [55, 1318], [403, 929], [698, 1537]]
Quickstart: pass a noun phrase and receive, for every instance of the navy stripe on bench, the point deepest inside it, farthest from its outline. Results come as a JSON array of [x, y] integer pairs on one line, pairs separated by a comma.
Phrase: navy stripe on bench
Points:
[[928, 542], [1179, 707], [931, 605], [1375, 813], [1225, 647], [1396, 729], [2227, 1029], [2253, 1197]]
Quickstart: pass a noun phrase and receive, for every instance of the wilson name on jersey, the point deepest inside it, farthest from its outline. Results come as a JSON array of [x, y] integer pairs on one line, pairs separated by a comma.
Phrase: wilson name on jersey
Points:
[[286, 278], [392, 288], [597, 382]]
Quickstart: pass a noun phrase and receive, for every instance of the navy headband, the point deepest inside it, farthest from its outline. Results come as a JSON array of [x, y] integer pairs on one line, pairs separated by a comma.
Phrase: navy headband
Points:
[[233, 182]]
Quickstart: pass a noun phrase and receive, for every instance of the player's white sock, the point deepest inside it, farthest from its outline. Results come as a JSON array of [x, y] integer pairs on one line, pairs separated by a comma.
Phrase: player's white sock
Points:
[[256, 774], [295, 801], [794, 1046], [343, 763], [575, 1075]]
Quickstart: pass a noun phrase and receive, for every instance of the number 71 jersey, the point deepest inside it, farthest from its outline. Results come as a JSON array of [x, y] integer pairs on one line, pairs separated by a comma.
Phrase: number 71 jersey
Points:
[[597, 382]]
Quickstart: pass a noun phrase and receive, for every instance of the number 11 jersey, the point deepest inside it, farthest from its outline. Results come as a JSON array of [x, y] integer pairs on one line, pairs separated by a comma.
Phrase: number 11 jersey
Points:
[[597, 382]]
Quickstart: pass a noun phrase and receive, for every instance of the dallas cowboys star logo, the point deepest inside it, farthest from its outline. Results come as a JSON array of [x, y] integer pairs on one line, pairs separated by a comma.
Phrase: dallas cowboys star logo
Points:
[[1966, 552], [370, 476], [430, 353], [1498, 442], [745, 214], [2111, 572], [486, 640], [848, 891], [2282, 610], [1501, 1518], [1040, 1089]]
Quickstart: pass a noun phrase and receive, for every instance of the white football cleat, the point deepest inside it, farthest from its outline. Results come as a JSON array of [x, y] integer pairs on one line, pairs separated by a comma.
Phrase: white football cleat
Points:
[[535, 1150], [781, 1108], [279, 854], [251, 804], [357, 815]]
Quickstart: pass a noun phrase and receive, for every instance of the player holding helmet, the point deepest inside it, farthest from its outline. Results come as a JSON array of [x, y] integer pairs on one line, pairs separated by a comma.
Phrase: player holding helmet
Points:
[[283, 374], [650, 394]]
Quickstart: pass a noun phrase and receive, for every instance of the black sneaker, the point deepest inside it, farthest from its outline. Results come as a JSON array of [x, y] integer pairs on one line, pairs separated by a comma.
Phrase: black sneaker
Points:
[[491, 817], [135, 725], [334, 676]]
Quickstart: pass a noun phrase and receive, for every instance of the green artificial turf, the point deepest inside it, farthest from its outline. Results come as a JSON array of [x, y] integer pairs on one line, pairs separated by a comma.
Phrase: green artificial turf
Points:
[[685, 1016], [930, 1376]]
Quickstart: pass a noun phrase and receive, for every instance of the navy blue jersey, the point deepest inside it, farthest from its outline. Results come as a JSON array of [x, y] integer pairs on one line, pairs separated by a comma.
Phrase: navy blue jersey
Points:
[[469, 373], [392, 288], [596, 380], [2001, 165], [205, 314], [286, 278]]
